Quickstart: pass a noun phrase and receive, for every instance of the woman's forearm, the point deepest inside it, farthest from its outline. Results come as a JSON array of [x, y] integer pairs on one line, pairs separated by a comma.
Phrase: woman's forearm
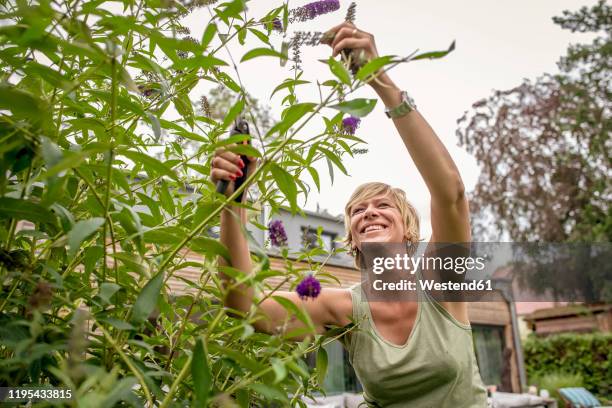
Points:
[[427, 151], [233, 220]]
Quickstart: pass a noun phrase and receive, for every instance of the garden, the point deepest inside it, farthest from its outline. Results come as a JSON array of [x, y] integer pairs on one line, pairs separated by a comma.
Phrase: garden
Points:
[[106, 141]]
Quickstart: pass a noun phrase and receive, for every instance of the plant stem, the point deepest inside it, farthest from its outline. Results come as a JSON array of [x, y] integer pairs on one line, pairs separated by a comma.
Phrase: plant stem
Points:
[[127, 361]]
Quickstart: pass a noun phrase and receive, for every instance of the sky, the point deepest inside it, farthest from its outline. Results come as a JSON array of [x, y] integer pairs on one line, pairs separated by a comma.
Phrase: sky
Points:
[[498, 44]]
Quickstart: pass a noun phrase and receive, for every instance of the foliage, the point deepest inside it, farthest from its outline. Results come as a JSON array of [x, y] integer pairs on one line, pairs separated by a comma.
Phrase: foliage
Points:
[[99, 213], [585, 355], [544, 146]]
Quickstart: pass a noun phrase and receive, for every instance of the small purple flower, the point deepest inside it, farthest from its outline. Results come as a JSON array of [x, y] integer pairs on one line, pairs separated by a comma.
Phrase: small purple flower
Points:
[[350, 124], [277, 24], [309, 287], [314, 9], [277, 234]]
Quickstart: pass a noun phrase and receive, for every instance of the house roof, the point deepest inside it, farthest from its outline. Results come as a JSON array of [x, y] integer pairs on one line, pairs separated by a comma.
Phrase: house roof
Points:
[[564, 311]]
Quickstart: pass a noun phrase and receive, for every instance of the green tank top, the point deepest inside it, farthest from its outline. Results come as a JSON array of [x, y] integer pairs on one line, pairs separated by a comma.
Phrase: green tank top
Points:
[[436, 367]]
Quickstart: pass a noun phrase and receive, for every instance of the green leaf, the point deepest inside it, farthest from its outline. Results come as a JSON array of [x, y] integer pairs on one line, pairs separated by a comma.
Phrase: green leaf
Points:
[[107, 290], [155, 125], [280, 371], [233, 9], [321, 365], [357, 107], [228, 81], [184, 107], [233, 113], [201, 373], [149, 162], [24, 210], [284, 51], [208, 246], [434, 54], [144, 305], [286, 183], [122, 390], [53, 77], [338, 69], [334, 158], [315, 177], [21, 103], [118, 324], [270, 393], [209, 34], [298, 369], [288, 83], [293, 310], [373, 66], [330, 167], [291, 115], [263, 37], [80, 232], [132, 262], [246, 150], [262, 52]]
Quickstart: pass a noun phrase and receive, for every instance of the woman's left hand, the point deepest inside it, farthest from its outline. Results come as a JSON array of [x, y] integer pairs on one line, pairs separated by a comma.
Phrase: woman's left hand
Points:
[[347, 36]]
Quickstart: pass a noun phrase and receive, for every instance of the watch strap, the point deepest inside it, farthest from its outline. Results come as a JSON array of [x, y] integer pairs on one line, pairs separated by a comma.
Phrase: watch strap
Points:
[[403, 108]]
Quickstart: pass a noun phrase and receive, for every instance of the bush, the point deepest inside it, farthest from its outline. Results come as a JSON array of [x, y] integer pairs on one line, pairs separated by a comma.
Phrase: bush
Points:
[[589, 356], [104, 190]]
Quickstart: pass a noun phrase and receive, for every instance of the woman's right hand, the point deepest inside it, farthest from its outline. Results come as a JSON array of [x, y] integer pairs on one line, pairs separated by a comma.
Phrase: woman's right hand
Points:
[[228, 166]]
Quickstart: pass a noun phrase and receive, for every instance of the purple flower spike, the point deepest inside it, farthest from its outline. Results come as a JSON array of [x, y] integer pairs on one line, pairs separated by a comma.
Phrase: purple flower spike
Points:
[[277, 234], [314, 9], [309, 287], [350, 124], [277, 24]]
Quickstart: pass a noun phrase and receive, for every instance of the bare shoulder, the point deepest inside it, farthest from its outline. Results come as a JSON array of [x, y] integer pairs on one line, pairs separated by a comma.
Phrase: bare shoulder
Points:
[[339, 303]]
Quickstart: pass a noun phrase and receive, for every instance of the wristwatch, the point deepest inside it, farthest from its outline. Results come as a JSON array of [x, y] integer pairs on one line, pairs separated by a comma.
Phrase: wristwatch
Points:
[[403, 108]]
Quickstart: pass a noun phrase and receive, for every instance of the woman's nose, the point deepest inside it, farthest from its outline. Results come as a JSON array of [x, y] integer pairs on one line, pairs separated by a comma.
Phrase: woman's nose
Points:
[[370, 211]]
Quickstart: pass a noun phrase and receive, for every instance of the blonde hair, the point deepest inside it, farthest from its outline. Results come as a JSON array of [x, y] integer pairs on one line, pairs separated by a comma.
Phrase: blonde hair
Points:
[[398, 196]]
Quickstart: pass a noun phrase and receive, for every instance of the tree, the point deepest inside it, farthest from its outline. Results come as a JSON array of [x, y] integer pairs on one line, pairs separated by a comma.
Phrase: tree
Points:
[[544, 146]]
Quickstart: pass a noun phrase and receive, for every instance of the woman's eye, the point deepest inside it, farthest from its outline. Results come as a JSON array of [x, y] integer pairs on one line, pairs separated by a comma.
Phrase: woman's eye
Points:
[[385, 205], [357, 210]]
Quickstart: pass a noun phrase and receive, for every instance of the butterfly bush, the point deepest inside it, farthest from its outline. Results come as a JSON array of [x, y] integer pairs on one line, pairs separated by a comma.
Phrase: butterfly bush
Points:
[[350, 124], [99, 280], [308, 288], [313, 10], [277, 233]]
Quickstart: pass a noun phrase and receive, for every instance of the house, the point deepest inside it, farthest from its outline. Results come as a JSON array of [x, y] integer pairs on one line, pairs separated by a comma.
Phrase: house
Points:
[[570, 318]]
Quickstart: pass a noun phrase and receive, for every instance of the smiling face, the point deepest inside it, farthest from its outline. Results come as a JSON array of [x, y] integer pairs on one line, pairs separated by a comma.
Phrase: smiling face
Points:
[[376, 219], [377, 212]]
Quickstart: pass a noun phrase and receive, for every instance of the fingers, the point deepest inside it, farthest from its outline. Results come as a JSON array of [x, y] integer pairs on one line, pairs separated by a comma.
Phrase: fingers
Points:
[[352, 43], [346, 32], [330, 34], [226, 165], [217, 174]]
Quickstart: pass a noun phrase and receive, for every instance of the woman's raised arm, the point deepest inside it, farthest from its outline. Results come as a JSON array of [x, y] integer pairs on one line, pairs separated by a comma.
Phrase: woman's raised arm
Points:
[[272, 317], [449, 207]]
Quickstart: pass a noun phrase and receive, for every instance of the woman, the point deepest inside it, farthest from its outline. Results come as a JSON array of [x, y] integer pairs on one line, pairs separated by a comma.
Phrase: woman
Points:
[[406, 354]]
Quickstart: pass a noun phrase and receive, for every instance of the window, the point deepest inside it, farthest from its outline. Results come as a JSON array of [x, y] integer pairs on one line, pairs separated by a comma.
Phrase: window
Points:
[[340, 375], [489, 347], [310, 239]]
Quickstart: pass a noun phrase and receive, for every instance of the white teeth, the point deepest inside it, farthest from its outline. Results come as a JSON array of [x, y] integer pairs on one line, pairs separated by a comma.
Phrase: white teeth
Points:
[[373, 228]]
